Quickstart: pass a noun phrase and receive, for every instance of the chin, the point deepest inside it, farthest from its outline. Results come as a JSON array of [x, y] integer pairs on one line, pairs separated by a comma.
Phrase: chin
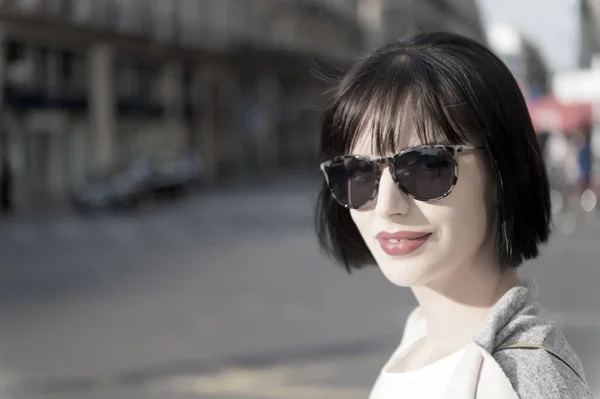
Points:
[[410, 270], [406, 273]]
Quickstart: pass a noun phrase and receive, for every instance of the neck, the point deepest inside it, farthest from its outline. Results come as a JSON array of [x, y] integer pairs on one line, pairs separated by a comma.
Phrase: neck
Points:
[[455, 306]]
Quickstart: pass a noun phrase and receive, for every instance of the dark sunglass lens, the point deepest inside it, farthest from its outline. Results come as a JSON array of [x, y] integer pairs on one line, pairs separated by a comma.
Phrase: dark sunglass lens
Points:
[[426, 173], [352, 180]]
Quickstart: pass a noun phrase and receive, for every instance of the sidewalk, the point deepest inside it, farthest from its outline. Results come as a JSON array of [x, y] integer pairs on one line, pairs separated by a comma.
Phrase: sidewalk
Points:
[[276, 206], [289, 196]]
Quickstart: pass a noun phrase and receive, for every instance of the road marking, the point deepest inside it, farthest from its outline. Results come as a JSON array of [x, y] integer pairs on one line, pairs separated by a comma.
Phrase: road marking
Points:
[[265, 383], [8, 379]]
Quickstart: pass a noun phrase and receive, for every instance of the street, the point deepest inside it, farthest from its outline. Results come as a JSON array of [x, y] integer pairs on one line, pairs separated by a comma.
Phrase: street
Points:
[[224, 295]]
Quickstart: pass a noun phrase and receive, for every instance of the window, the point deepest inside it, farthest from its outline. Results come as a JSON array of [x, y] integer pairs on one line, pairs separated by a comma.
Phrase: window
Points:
[[189, 23], [163, 19], [27, 67], [82, 11], [137, 80], [25, 5], [58, 8], [131, 16], [73, 72]]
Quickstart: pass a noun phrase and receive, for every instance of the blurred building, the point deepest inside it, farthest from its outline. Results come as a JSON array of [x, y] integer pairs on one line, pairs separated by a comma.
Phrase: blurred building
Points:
[[589, 31], [522, 57], [386, 20], [91, 85]]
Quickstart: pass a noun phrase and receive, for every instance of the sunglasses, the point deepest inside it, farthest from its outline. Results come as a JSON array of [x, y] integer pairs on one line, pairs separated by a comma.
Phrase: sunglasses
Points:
[[425, 173]]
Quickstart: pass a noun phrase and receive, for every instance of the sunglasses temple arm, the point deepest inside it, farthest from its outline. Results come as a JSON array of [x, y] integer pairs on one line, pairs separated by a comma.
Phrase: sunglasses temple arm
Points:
[[324, 171], [470, 148]]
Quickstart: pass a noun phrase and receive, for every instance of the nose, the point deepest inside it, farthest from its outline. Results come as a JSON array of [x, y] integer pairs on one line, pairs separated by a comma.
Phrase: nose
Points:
[[391, 201]]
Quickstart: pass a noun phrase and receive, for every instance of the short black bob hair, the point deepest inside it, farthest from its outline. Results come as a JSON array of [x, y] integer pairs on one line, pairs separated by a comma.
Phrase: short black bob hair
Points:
[[458, 92]]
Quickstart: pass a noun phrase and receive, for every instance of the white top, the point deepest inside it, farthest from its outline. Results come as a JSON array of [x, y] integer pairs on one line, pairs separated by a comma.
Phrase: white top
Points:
[[426, 382]]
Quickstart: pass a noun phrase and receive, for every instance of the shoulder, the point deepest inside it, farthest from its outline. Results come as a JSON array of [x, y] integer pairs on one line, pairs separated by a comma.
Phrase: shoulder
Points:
[[548, 368], [536, 373]]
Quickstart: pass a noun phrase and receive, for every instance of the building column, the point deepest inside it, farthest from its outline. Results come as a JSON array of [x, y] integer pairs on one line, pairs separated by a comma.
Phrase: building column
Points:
[[231, 132], [205, 103], [5, 142], [54, 61], [172, 96], [102, 105]]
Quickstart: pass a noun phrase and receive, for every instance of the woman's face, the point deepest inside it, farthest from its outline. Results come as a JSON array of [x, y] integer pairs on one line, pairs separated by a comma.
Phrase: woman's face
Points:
[[441, 238]]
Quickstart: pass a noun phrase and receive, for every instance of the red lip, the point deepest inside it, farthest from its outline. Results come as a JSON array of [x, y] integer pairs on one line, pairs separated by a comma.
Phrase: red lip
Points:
[[400, 235], [401, 242]]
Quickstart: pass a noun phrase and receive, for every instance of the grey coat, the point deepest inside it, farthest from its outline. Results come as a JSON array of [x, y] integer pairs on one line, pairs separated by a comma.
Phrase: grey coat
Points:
[[533, 373]]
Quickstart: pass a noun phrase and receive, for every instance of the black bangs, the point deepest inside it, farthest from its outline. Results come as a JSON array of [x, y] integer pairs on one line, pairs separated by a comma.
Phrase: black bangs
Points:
[[388, 100]]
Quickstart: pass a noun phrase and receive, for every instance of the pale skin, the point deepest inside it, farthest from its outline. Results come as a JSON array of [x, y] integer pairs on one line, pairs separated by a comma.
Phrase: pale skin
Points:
[[456, 276]]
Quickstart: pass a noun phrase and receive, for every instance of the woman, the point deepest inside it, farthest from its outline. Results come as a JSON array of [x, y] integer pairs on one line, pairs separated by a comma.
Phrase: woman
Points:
[[433, 172]]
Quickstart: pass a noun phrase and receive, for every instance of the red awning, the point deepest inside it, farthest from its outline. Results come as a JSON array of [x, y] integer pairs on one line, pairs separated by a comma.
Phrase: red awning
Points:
[[549, 114]]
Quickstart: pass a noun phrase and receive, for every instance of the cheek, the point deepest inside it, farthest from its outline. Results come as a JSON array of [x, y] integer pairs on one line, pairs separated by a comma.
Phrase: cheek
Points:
[[361, 219], [366, 223], [465, 225]]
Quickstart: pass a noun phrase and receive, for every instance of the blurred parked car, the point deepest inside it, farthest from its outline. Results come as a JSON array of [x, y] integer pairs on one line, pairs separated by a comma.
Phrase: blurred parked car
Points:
[[176, 177], [141, 181]]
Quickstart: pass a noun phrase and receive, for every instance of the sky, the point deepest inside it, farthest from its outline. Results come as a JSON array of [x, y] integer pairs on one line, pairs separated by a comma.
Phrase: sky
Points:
[[551, 24]]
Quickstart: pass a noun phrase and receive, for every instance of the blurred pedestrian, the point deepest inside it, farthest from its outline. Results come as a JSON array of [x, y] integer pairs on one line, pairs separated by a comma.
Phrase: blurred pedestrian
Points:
[[433, 172], [585, 159]]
